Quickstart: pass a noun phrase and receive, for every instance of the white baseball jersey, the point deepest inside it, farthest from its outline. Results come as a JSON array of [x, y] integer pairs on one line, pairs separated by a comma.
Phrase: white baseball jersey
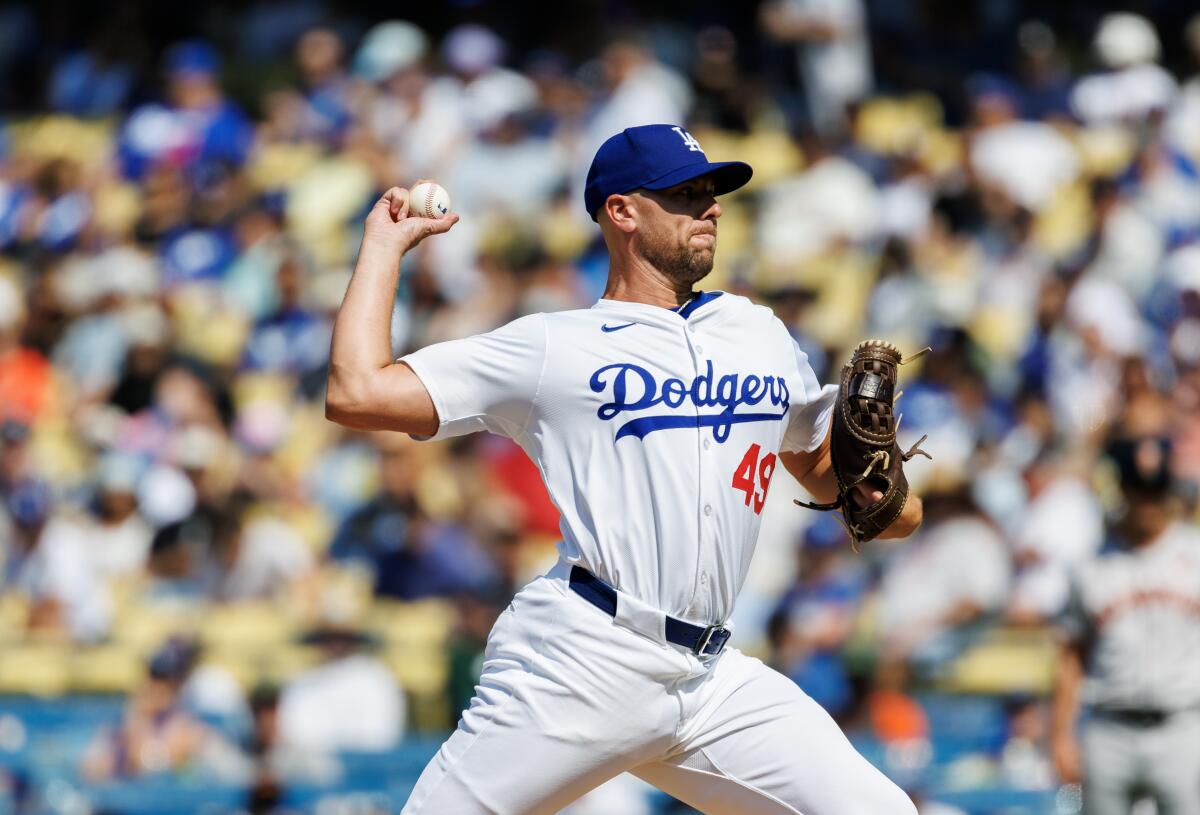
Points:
[[1140, 610], [656, 431]]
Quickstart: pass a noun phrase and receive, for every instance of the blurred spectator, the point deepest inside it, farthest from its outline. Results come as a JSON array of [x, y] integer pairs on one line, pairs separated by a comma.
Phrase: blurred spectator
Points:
[[349, 702], [235, 554], [27, 507], [410, 554], [1024, 759], [277, 762], [156, 734], [1184, 116], [952, 573], [92, 350], [507, 170], [98, 80], [895, 717], [832, 53], [181, 555], [25, 374], [1043, 73], [148, 333], [813, 619], [250, 282], [820, 214], [197, 128], [1027, 161], [322, 109], [15, 464], [78, 556], [477, 613], [640, 89], [264, 558], [1134, 85], [418, 118], [1061, 527], [293, 340]]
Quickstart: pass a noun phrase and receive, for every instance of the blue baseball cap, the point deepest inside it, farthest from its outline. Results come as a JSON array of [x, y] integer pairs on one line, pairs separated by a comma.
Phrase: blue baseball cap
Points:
[[192, 58], [655, 157], [825, 533]]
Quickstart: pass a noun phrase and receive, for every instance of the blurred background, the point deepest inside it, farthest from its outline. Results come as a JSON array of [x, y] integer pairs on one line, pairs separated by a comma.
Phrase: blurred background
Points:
[[213, 600]]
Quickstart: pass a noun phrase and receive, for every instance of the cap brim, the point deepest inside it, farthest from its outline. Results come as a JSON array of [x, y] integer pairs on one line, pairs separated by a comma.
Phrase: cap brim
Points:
[[727, 176]]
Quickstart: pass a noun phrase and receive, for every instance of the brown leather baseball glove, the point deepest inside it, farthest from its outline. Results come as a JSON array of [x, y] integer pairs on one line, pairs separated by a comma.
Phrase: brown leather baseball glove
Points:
[[862, 442]]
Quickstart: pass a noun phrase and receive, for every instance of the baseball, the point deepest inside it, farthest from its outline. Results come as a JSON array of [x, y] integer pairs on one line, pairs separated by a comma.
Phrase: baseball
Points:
[[429, 200]]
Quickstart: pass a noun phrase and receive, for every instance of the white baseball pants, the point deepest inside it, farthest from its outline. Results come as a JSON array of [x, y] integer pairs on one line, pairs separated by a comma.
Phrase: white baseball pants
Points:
[[1123, 763], [569, 699]]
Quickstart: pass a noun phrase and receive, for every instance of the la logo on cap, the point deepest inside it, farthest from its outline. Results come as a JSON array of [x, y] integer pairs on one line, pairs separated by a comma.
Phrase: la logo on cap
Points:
[[649, 157], [689, 140]]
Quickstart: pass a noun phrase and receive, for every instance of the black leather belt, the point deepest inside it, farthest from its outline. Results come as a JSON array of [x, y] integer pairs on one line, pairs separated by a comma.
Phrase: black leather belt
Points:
[[700, 640], [1136, 717]]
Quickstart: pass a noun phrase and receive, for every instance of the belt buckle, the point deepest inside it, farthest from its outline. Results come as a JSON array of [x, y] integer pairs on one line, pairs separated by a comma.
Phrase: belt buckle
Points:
[[714, 633]]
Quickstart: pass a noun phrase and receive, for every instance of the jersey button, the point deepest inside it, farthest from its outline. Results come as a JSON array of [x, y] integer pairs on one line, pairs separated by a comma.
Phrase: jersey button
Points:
[[706, 444], [699, 349], [708, 509], [704, 577]]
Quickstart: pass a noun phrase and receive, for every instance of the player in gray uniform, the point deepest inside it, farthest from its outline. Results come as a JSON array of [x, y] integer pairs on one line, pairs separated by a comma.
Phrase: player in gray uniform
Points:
[[1132, 655]]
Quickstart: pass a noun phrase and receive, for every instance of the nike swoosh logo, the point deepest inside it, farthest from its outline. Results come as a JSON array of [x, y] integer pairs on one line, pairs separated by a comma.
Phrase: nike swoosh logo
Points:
[[608, 329]]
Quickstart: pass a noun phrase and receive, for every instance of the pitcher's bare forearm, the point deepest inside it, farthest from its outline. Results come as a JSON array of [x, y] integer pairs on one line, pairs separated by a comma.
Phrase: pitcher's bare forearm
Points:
[[814, 471], [367, 389]]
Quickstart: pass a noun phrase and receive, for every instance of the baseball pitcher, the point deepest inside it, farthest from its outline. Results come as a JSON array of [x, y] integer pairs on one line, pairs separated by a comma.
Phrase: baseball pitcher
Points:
[[658, 419]]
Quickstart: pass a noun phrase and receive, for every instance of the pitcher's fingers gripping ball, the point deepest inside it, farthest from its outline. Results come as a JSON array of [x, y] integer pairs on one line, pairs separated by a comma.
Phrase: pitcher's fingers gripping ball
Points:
[[429, 200], [396, 218], [862, 443]]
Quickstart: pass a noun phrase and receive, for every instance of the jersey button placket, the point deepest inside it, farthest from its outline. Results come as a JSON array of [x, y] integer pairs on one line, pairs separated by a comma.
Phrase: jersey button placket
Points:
[[705, 444]]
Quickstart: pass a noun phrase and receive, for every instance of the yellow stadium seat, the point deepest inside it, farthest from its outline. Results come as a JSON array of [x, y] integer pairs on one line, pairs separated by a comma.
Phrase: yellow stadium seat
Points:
[[105, 669], [1006, 661], [245, 669], [143, 627], [14, 616], [421, 671], [245, 626], [285, 663], [411, 625], [39, 670]]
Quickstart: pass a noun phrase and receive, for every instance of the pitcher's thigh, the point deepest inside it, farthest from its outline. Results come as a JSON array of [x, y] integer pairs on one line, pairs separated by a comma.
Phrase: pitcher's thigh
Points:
[[509, 768], [562, 706], [766, 747]]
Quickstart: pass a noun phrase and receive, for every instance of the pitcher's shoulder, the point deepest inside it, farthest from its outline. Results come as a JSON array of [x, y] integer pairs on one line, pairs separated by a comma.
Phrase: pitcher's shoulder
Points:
[[730, 303], [756, 314]]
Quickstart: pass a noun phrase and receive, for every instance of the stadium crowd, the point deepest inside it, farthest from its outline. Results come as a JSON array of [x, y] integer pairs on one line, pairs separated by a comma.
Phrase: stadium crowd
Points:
[[170, 266]]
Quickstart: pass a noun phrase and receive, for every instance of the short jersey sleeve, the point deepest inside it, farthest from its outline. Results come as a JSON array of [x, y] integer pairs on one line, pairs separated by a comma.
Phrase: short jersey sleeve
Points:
[[485, 382], [809, 422]]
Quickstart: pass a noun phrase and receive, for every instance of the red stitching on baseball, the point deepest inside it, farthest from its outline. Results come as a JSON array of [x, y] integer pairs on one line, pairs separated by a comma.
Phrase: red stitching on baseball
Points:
[[429, 201]]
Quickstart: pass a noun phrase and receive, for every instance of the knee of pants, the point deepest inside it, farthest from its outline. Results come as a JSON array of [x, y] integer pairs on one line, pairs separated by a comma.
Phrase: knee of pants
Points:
[[876, 795], [892, 801]]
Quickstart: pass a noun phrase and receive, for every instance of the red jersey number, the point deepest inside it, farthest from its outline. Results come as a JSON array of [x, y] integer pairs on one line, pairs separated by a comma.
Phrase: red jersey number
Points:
[[753, 476]]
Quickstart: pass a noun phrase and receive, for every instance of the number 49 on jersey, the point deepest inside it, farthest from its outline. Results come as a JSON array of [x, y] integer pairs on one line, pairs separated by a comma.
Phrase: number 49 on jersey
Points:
[[753, 476]]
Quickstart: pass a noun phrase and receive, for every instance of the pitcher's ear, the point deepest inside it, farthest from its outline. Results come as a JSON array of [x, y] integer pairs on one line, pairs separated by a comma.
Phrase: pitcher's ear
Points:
[[621, 211]]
